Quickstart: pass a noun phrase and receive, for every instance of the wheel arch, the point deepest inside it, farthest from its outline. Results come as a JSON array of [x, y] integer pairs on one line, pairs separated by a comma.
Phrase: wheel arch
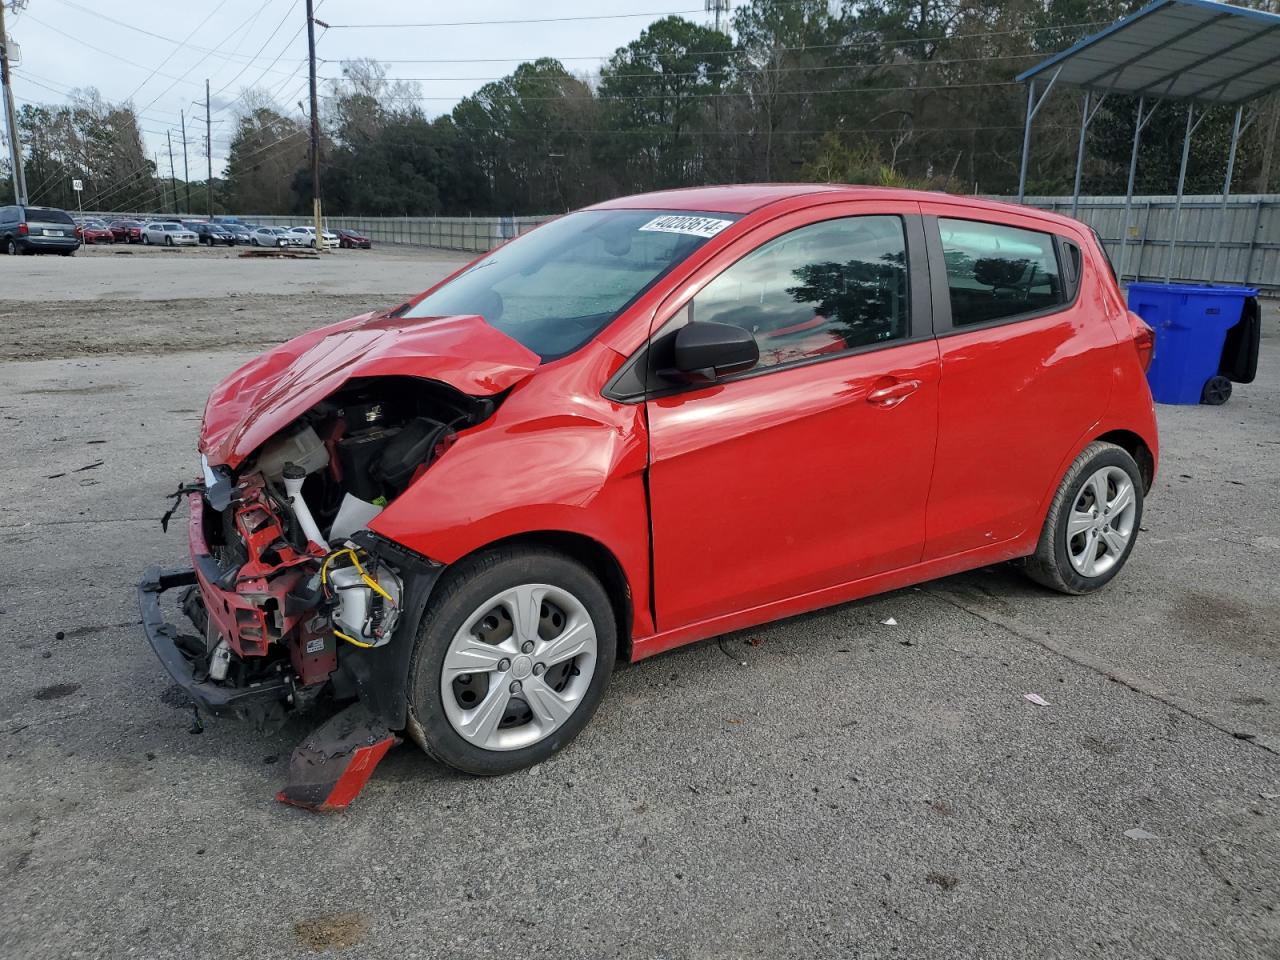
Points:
[[1136, 447], [593, 555]]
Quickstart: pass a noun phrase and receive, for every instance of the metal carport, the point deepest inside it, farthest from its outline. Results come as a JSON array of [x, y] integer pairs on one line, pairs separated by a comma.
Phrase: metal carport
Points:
[[1197, 51]]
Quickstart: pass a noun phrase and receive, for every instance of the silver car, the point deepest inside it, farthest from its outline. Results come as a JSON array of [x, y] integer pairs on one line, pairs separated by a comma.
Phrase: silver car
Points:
[[275, 237], [170, 234]]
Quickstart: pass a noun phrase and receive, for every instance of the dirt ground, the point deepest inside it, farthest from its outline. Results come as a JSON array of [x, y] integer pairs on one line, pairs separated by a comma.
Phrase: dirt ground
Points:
[[829, 786], [123, 298]]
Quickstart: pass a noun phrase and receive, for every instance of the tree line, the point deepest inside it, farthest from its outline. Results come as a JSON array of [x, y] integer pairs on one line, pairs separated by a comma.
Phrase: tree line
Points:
[[892, 92]]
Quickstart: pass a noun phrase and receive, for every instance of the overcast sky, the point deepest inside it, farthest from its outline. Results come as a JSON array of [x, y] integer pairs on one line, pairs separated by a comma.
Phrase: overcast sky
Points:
[[160, 52]]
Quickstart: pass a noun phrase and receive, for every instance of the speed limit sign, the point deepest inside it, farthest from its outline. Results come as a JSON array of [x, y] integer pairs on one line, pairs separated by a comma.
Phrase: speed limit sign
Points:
[[77, 185]]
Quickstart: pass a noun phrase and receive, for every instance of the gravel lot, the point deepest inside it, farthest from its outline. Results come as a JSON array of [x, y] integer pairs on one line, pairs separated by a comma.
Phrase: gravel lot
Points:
[[829, 786]]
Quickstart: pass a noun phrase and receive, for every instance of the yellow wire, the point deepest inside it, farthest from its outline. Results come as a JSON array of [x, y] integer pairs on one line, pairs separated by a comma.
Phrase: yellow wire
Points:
[[352, 640]]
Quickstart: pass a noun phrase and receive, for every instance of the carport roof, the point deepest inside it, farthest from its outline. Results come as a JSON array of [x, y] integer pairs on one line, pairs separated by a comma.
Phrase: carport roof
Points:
[[1179, 49]]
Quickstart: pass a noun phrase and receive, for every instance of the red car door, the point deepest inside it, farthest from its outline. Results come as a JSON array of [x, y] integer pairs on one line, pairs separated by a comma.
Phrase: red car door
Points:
[[1026, 370], [812, 469]]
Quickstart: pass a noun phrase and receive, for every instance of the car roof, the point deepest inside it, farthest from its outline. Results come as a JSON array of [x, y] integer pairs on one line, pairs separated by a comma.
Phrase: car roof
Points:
[[749, 197]]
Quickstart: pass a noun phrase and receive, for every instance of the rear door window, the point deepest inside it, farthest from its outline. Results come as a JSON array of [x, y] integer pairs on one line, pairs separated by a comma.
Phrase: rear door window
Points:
[[997, 272]]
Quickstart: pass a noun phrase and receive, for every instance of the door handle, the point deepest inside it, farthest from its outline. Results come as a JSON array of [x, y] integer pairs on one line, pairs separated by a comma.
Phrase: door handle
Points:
[[892, 394]]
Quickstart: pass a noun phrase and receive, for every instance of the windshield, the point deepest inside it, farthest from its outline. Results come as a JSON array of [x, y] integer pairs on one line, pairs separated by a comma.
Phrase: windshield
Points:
[[556, 288]]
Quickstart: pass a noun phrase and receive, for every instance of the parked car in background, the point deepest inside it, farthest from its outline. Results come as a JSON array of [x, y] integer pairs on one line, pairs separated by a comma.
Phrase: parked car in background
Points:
[[37, 230], [95, 231], [784, 397], [308, 235], [214, 234], [126, 231], [239, 232], [169, 233], [353, 240], [277, 237]]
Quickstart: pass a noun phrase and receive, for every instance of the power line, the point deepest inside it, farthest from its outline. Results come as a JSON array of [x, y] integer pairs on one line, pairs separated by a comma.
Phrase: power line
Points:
[[710, 96], [846, 45], [659, 75], [173, 53], [489, 23], [130, 26]]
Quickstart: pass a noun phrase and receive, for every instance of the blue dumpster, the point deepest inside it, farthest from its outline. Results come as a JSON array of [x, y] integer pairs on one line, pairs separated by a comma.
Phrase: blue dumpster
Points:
[[1190, 324]]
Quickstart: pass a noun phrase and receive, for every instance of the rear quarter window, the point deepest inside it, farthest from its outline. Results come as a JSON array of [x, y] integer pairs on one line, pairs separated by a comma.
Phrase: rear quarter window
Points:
[[998, 272]]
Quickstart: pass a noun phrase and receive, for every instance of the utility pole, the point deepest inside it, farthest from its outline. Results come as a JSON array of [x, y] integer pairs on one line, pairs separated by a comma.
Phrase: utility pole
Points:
[[15, 148], [719, 6], [186, 173], [315, 129], [164, 201], [173, 181], [208, 147]]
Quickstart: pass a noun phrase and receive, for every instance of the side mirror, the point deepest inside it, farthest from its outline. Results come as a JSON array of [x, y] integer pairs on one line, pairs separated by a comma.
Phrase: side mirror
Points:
[[705, 351]]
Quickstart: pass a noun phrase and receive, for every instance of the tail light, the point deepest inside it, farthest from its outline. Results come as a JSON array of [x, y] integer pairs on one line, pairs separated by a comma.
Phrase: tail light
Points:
[[22, 229], [1144, 340]]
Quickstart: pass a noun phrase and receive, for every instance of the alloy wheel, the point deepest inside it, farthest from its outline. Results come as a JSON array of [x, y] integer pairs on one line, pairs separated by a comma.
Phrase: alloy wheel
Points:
[[519, 667], [1101, 522]]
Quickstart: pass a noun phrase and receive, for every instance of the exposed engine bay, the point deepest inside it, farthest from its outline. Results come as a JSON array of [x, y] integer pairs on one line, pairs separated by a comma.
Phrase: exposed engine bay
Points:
[[288, 585]]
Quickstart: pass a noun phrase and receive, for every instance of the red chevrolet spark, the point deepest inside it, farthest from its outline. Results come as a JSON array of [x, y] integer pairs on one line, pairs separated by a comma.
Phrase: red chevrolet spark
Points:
[[653, 421]]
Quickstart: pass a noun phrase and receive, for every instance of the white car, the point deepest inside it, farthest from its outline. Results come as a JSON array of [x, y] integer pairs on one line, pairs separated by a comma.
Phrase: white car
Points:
[[275, 237], [170, 234], [308, 235]]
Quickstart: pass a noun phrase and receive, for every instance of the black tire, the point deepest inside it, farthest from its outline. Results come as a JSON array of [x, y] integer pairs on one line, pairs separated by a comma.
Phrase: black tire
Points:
[[1050, 565], [1216, 392], [11, 247], [168, 241], [456, 598]]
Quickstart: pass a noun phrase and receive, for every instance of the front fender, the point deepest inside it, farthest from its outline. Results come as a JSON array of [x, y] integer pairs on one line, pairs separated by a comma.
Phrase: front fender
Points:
[[555, 457]]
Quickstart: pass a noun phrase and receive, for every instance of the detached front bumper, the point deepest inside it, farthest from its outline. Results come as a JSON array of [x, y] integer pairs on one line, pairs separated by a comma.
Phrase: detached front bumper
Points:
[[163, 636]]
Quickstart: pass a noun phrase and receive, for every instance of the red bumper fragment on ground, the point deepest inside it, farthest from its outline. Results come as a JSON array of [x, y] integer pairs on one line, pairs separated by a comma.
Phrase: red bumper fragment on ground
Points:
[[330, 768]]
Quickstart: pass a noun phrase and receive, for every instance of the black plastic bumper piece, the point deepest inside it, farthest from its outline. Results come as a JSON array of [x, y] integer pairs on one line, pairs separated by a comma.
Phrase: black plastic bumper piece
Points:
[[163, 637]]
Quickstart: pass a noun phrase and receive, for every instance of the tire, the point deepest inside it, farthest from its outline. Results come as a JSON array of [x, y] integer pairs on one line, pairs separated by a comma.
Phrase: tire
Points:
[[146, 240], [68, 253], [1061, 561], [477, 589], [168, 241], [11, 247], [1216, 392]]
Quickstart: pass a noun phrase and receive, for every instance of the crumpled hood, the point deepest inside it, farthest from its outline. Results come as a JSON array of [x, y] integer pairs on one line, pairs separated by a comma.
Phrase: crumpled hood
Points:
[[272, 390]]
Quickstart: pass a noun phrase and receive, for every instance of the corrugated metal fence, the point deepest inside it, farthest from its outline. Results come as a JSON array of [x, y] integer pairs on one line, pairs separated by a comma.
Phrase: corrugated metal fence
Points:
[[1204, 242], [470, 234], [1248, 251]]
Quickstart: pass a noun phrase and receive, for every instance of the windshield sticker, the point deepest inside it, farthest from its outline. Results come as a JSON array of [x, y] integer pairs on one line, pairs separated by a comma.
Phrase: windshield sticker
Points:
[[690, 226]]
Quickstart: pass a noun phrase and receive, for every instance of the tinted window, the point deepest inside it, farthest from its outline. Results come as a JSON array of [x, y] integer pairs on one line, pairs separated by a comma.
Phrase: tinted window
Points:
[[995, 271], [8, 213], [557, 287], [35, 214], [822, 289]]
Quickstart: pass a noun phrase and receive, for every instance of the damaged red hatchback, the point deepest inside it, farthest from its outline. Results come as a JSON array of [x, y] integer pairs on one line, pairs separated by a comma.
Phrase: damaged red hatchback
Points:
[[646, 423]]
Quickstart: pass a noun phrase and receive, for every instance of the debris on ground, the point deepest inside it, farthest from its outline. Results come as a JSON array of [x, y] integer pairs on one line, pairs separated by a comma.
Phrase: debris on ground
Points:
[[1035, 698], [336, 931], [890, 622], [943, 880], [1137, 833]]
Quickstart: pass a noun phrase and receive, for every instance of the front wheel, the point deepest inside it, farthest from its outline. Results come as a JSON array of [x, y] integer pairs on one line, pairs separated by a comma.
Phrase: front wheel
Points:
[[514, 654], [1093, 522]]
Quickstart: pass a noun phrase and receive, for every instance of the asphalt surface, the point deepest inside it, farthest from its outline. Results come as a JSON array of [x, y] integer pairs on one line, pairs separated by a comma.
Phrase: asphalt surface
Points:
[[831, 786]]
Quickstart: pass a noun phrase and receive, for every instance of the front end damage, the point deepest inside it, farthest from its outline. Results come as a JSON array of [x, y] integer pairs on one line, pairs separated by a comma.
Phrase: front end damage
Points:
[[293, 601]]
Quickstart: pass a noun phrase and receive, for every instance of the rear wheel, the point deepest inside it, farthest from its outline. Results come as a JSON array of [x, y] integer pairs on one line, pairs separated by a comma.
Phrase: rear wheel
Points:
[[11, 247], [1092, 524], [513, 657]]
